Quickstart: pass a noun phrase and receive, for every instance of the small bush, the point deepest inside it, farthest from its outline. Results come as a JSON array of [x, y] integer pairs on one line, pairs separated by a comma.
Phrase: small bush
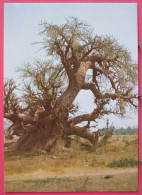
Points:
[[125, 162], [127, 143]]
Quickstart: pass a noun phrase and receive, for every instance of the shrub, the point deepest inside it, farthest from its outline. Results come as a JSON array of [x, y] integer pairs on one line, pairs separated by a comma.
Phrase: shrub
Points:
[[125, 162], [128, 143]]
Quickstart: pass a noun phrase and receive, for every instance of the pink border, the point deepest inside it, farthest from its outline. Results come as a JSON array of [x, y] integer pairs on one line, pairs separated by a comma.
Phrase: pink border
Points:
[[139, 2]]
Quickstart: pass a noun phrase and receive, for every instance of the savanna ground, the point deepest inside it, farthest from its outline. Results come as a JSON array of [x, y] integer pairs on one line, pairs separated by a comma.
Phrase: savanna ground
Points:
[[109, 168]]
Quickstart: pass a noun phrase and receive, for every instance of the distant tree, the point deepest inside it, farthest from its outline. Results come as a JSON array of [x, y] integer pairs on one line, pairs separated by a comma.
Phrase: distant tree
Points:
[[126, 131], [42, 114]]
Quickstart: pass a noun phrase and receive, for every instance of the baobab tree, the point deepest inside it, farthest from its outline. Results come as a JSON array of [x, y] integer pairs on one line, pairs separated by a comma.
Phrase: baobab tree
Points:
[[45, 111]]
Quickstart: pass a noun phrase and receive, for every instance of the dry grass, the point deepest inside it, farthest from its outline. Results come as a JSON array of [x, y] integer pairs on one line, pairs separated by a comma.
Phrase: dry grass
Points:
[[74, 162], [92, 183]]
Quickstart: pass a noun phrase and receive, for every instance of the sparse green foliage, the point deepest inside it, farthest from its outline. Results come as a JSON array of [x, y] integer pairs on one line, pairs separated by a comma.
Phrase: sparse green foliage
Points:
[[129, 143], [124, 162], [48, 180]]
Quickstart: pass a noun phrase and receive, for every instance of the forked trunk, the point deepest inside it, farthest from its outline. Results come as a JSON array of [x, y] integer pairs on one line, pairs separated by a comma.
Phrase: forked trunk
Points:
[[75, 86]]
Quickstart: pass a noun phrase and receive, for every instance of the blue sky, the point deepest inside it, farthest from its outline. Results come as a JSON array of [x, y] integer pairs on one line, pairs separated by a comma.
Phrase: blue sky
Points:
[[21, 26]]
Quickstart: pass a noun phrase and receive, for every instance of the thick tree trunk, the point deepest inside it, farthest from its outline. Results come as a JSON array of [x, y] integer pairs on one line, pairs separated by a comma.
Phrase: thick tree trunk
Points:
[[37, 135], [25, 142], [47, 126]]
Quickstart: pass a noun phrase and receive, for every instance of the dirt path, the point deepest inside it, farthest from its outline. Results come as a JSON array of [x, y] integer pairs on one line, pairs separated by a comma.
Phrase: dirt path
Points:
[[106, 172], [120, 180]]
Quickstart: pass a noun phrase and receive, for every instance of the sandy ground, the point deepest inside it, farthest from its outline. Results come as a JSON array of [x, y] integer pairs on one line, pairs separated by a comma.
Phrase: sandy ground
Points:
[[75, 170], [120, 180]]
